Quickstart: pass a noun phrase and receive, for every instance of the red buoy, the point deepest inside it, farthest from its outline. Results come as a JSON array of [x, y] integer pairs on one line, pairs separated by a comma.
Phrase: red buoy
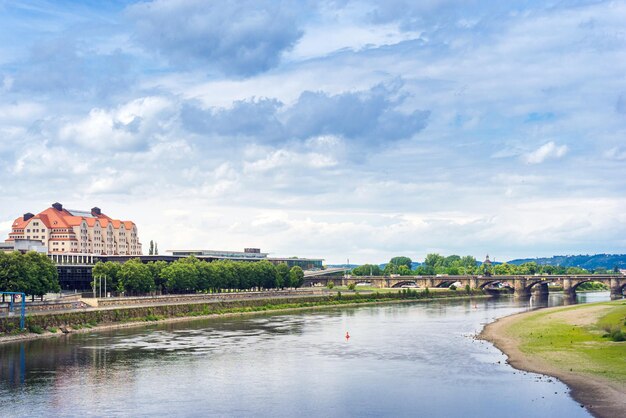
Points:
[[347, 335]]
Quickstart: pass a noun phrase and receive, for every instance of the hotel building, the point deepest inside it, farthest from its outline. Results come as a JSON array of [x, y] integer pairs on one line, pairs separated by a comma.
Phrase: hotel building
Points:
[[67, 231]]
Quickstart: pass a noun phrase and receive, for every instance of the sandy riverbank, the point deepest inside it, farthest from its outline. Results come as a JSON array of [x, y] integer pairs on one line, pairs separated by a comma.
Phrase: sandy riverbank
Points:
[[601, 396]]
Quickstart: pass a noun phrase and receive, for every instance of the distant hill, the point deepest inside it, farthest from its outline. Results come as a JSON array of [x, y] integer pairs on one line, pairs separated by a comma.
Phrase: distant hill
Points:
[[588, 262]]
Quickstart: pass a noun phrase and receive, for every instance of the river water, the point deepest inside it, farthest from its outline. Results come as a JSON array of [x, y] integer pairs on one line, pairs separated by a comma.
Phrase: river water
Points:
[[414, 359]]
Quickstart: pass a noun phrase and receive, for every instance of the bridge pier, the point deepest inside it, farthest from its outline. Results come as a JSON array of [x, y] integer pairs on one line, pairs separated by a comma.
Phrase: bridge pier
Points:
[[569, 287], [541, 289], [519, 289], [616, 288]]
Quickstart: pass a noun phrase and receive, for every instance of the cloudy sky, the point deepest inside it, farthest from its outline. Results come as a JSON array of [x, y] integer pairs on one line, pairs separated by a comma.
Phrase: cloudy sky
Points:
[[335, 129]]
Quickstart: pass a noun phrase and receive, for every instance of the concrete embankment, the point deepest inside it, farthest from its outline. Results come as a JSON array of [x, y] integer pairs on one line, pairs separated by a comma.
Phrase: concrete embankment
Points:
[[177, 309], [570, 343]]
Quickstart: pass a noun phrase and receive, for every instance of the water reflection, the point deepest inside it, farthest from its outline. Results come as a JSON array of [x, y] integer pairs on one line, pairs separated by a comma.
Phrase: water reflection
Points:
[[399, 356]]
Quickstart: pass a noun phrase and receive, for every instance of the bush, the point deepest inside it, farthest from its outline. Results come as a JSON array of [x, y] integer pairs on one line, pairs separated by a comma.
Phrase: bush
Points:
[[35, 329], [351, 286], [468, 289], [330, 285], [452, 287], [52, 330], [614, 334]]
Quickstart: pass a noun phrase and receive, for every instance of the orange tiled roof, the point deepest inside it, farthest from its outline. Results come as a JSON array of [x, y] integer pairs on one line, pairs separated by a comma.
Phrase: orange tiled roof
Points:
[[63, 219]]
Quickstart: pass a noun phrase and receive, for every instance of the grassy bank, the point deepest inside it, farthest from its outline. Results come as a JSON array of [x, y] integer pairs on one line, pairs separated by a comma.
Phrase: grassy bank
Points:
[[577, 338], [52, 322], [578, 344]]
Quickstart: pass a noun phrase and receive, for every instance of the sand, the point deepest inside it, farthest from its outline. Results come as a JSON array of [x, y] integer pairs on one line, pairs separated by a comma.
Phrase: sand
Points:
[[601, 397]]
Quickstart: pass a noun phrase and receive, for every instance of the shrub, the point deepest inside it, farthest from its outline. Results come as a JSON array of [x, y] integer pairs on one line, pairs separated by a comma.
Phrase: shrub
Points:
[[330, 285], [52, 330], [35, 329], [468, 290], [452, 287], [351, 286]]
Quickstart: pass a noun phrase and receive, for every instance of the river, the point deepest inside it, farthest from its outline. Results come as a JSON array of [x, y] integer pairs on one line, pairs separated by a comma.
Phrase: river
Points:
[[412, 359]]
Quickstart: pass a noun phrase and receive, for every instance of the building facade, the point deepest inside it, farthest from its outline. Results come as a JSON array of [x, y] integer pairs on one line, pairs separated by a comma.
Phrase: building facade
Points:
[[252, 254], [67, 231]]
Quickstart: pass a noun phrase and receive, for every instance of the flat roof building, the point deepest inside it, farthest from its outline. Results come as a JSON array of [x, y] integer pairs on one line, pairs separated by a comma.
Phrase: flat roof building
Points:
[[252, 254]]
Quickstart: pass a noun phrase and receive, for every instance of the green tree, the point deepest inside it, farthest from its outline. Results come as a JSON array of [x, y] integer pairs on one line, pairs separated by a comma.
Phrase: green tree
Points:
[[367, 270], [110, 270], [390, 269], [282, 275], [403, 270], [424, 270], [156, 269], [13, 276], [296, 277], [401, 261], [156, 249], [434, 260], [469, 264], [181, 276], [151, 249], [42, 275], [135, 277], [265, 274]]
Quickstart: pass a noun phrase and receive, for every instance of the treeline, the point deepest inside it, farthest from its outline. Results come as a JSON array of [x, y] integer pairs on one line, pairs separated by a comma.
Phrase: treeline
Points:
[[455, 265], [189, 275], [31, 273]]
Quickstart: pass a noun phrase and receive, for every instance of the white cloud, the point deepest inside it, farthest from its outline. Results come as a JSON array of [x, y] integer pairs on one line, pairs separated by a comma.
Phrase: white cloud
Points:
[[616, 153], [547, 151], [130, 126]]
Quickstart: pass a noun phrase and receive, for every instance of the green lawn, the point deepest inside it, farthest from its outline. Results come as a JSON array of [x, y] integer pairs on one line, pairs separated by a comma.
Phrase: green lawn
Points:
[[572, 339]]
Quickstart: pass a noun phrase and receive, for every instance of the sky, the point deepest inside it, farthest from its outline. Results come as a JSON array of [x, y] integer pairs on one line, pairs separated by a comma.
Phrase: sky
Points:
[[342, 129]]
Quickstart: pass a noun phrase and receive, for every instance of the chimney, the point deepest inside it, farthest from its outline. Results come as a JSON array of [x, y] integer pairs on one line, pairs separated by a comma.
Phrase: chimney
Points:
[[96, 211], [27, 216], [57, 206]]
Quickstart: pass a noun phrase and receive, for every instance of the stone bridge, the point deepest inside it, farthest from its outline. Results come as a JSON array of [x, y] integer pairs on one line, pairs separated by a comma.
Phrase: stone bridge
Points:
[[521, 285]]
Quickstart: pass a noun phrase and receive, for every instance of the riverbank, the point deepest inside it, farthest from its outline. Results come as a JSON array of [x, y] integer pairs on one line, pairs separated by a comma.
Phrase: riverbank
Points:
[[569, 343], [94, 320]]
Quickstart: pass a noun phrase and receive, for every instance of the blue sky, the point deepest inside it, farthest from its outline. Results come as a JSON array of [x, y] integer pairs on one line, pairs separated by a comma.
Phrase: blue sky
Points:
[[335, 129]]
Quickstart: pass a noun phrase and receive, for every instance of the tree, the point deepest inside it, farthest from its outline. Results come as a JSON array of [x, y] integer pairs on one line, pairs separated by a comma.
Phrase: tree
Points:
[[156, 269], [403, 270], [469, 264], [151, 249], [135, 277], [434, 260], [32, 273], [296, 276], [265, 274], [182, 275], [110, 270], [282, 275], [41, 274], [156, 249], [367, 270], [402, 261]]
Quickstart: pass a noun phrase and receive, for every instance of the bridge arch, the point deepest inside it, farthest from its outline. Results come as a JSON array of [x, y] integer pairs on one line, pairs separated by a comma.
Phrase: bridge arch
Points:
[[362, 283], [404, 283], [578, 283], [489, 283], [445, 283]]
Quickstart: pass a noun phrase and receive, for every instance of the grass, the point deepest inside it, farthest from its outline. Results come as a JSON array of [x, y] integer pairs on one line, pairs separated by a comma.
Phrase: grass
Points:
[[577, 348]]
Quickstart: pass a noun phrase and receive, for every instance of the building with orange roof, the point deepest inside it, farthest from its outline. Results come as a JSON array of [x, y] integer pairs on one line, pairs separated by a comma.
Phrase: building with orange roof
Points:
[[67, 231]]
